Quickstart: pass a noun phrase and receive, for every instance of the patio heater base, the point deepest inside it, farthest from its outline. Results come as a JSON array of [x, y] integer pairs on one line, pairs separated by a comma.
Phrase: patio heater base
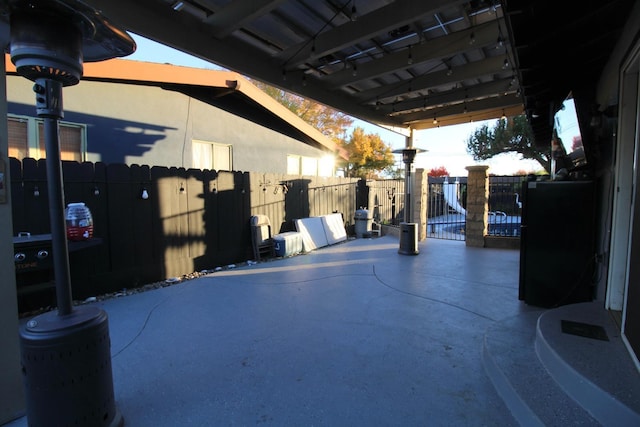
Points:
[[66, 366], [408, 239]]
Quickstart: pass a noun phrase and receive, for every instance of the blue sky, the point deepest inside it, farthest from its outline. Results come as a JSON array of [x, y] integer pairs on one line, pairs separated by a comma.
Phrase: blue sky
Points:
[[445, 146]]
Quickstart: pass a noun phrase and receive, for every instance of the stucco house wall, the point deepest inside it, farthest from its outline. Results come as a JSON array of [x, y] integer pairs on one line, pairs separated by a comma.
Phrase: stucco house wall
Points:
[[138, 124]]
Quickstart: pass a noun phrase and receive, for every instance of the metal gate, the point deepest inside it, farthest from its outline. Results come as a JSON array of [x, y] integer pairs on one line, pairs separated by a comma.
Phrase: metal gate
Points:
[[505, 206], [446, 214], [447, 199]]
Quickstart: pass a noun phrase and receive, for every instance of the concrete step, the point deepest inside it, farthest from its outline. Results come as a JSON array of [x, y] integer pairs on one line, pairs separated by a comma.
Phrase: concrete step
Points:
[[590, 362], [519, 377], [548, 377]]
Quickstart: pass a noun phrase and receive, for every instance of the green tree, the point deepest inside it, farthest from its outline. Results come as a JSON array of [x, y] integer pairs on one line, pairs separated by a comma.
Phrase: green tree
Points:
[[368, 154], [508, 135]]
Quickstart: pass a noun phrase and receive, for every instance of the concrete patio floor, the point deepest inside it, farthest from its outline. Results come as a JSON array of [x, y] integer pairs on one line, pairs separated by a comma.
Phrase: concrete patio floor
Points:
[[357, 335]]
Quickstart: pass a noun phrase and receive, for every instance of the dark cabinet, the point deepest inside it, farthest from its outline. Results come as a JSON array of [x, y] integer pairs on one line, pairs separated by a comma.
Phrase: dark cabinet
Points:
[[557, 255]]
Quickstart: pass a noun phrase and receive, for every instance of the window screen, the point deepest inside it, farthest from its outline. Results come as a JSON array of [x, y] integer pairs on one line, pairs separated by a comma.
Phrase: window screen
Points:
[[18, 138], [70, 142], [209, 155], [293, 165]]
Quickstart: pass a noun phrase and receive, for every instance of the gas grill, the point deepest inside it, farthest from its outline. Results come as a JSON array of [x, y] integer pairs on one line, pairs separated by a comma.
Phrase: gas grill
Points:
[[32, 253], [33, 258]]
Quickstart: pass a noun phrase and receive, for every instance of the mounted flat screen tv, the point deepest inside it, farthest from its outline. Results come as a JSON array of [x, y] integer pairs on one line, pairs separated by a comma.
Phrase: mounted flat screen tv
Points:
[[567, 149]]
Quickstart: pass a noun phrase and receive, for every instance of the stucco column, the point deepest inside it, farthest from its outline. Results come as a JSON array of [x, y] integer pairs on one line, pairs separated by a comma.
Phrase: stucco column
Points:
[[12, 403], [477, 205], [421, 189]]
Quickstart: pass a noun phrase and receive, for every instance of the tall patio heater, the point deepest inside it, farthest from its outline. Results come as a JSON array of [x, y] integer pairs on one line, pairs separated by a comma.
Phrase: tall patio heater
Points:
[[408, 229], [66, 356]]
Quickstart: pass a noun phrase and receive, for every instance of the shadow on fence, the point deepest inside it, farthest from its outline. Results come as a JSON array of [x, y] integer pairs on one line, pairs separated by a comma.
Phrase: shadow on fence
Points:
[[190, 220], [155, 223]]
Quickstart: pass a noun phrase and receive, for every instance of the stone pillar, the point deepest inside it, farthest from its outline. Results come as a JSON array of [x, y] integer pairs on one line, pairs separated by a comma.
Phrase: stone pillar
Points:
[[420, 193], [477, 205]]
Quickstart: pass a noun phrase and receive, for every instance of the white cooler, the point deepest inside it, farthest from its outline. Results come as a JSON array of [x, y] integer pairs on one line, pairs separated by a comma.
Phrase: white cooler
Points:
[[287, 244]]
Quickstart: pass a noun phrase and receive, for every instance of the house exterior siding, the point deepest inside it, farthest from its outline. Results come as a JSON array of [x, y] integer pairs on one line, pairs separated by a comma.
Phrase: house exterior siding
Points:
[[137, 124]]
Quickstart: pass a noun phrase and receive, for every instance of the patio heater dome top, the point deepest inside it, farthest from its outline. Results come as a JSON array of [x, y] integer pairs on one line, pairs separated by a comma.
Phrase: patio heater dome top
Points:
[[409, 153], [52, 39], [402, 150]]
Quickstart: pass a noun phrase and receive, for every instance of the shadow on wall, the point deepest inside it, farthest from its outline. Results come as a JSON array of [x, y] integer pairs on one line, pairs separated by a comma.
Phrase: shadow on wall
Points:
[[113, 140]]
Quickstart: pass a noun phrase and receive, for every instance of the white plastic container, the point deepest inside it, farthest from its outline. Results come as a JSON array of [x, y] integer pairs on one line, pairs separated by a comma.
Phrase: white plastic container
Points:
[[287, 244]]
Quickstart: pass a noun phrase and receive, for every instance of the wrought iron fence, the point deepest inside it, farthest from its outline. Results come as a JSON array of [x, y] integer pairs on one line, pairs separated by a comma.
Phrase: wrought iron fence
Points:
[[446, 213], [505, 207], [447, 199]]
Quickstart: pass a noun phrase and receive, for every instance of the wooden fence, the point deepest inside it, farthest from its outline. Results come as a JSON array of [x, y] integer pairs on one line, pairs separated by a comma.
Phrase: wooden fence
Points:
[[192, 220], [384, 199], [284, 198]]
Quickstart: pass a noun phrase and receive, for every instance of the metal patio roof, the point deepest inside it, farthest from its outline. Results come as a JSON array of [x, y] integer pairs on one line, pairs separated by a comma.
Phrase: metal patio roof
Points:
[[402, 63]]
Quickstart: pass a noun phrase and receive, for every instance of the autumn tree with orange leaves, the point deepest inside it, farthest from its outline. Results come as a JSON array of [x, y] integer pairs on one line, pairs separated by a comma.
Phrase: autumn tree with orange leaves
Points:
[[331, 123], [368, 154]]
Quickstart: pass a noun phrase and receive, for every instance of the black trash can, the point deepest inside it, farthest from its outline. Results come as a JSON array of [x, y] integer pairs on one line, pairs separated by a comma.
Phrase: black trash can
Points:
[[408, 238]]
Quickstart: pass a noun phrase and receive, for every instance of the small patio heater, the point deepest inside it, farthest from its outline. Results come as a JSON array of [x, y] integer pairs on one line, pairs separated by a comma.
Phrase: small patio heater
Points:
[[66, 356], [408, 229]]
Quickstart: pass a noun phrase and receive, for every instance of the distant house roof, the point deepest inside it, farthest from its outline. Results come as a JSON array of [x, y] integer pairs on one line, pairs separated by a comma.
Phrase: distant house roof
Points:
[[223, 89]]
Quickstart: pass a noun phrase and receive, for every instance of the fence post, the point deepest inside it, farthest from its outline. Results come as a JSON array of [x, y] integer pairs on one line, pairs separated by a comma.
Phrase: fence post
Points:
[[477, 205], [419, 201]]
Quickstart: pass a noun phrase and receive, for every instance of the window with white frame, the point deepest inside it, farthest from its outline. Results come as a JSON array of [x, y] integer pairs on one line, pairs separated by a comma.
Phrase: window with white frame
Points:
[[26, 138], [293, 164], [309, 166], [326, 166], [212, 156]]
